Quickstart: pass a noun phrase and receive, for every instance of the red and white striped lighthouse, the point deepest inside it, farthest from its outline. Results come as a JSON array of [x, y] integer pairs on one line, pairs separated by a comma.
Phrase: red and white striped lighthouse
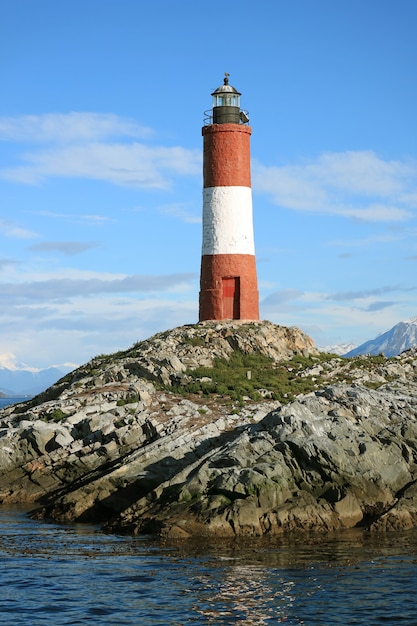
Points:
[[228, 282]]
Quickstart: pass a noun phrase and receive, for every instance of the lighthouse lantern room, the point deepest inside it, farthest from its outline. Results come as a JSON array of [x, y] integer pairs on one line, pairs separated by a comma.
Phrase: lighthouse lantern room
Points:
[[226, 104], [228, 282]]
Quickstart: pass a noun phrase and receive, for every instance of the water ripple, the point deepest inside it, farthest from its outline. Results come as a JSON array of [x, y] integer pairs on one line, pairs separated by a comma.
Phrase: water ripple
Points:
[[69, 575]]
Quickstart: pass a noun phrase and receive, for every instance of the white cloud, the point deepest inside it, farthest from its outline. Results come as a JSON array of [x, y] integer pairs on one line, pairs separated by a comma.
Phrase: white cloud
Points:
[[10, 229], [361, 172], [69, 248], [63, 289], [330, 322], [134, 165], [7, 263], [96, 219], [182, 212], [8, 360], [367, 293], [360, 185], [278, 298], [68, 127], [376, 213], [366, 242], [81, 145], [71, 314], [75, 331]]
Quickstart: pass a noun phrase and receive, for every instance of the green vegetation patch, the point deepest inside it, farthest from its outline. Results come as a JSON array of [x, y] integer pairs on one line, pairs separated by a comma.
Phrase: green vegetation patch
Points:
[[131, 399], [55, 416], [367, 361], [249, 375], [196, 341]]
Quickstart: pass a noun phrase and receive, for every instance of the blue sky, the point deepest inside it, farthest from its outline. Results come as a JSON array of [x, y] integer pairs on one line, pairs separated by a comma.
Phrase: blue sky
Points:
[[100, 165]]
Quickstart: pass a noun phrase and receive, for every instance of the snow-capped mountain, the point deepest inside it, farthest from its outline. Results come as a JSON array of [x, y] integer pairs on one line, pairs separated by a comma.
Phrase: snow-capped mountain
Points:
[[401, 337], [340, 348], [19, 379]]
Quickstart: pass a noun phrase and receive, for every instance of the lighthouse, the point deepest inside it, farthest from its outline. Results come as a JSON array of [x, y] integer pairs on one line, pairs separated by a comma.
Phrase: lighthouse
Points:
[[228, 281]]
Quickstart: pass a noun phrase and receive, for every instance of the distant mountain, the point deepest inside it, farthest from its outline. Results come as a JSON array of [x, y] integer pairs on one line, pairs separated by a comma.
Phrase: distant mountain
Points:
[[401, 337], [19, 379]]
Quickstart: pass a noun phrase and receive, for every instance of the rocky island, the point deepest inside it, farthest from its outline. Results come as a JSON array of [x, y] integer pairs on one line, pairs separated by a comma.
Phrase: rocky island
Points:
[[220, 429]]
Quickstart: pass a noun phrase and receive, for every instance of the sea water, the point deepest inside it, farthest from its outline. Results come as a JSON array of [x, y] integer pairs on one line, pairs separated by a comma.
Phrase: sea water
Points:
[[7, 401], [75, 574]]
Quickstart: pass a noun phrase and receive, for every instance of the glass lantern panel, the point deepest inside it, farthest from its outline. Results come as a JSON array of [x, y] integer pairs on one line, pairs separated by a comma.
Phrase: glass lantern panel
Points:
[[226, 100]]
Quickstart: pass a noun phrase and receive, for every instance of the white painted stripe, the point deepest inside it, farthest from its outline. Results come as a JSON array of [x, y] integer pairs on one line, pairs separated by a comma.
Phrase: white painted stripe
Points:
[[227, 220]]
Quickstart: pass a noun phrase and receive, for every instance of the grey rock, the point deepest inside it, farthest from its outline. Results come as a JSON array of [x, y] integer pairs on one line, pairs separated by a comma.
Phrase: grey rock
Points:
[[131, 454]]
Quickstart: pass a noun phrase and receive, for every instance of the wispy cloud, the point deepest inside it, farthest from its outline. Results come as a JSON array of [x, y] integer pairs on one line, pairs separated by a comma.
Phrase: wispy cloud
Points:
[[69, 248], [81, 145], [68, 127], [103, 324], [134, 165], [57, 289], [333, 320], [10, 229], [280, 297], [366, 242], [367, 293], [7, 263], [360, 185], [73, 216], [182, 212], [379, 306]]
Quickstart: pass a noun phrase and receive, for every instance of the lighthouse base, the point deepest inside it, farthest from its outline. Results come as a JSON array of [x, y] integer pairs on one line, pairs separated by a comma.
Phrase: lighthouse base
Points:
[[228, 287]]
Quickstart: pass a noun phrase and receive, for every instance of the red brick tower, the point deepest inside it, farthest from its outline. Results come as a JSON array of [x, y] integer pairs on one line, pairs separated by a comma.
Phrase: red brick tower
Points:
[[228, 282]]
